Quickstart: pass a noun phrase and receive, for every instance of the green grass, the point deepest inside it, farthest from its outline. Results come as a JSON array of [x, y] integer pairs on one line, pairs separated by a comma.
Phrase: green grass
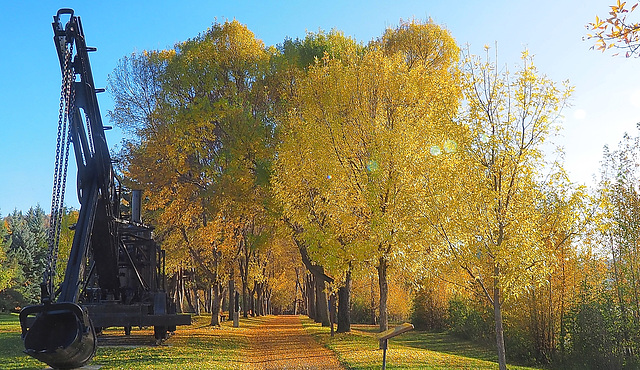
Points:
[[11, 355], [198, 346], [201, 347], [411, 350]]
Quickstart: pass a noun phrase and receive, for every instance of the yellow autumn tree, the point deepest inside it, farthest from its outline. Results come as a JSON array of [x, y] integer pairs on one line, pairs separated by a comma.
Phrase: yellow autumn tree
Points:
[[360, 122], [488, 223], [202, 145], [543, 311], [309, 226], [8, 268], [618, 237]]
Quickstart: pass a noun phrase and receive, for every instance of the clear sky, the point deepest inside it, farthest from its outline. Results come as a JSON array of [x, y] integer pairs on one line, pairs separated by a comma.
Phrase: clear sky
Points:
[[606, 102]]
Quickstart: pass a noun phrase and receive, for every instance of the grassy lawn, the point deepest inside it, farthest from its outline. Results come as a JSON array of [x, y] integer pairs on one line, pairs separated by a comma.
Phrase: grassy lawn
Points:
[[196, 347], [201, 347], [411, 350]]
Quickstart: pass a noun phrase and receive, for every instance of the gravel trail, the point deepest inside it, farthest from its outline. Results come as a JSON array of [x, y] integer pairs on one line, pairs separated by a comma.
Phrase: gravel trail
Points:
[[282, 343]]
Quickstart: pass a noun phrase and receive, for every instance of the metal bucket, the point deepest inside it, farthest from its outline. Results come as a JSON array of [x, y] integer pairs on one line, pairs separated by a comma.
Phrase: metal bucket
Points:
[[61, 334]]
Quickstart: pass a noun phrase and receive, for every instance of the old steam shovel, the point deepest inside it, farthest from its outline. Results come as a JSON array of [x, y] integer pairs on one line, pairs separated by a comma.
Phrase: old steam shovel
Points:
[[115, 271], [61, 334]]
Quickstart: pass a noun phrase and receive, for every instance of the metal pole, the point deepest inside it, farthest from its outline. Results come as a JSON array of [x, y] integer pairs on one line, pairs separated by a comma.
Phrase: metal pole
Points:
[[384, 354]]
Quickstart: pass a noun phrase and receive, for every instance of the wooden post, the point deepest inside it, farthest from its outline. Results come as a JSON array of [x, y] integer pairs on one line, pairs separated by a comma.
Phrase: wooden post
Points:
[[236, 310], [384, 343]]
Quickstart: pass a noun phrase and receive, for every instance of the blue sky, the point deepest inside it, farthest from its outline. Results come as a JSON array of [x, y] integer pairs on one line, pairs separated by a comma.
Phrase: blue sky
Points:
[[606, 102]]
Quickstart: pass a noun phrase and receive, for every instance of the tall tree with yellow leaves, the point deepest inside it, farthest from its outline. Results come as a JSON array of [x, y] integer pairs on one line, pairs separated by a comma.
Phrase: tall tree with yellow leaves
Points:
[[488, 220], [202, 143], [620, 234], [351, 140], [308, 223], [9, 268], [544, 309]]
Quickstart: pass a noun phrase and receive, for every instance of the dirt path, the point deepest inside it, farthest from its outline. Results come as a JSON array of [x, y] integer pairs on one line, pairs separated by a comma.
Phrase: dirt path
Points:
[[282, 343]]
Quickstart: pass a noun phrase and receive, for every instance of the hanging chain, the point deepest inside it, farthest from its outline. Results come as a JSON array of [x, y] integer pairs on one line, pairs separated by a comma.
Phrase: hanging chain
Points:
[[70, 110], [60, 171]]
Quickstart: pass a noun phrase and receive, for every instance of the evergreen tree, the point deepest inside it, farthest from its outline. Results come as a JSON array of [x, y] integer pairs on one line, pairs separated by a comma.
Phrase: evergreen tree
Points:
[[26, 249]]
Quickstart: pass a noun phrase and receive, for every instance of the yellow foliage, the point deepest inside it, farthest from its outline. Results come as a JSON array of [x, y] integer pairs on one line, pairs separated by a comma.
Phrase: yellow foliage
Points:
[[202, 147], [488, 219], [355, 137], [616, 30]]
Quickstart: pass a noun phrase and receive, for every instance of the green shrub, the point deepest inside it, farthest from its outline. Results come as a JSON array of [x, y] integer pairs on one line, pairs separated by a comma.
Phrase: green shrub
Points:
[[361, 313], [12, 300], [520, 345], [467, 321], [426, 313], [603, 337]]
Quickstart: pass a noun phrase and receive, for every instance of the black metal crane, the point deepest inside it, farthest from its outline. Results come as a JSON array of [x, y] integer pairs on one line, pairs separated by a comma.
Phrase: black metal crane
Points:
[[115, 270]]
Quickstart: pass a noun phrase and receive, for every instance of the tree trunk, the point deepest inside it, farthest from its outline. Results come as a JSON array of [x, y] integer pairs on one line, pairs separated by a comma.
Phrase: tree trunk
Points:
[[265, 300], [304, 303], [176, 292], [181, 290], [322, 311], [322, 307], [216, 303], [207, 299], [332, 312], [196, 299], [268, 303], [344, 306], [244, 276], [295, 298], [245, 303], [223, 300], [232, 292], [252, 301], [384, 293], [188, 295], [497, 311], [372, 301], [311, 297], [259, 299]]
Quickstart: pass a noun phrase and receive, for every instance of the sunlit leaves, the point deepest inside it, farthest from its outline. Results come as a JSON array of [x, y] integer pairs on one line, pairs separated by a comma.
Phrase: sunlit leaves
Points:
[[362, 118], [484, 212], [620, 211], [616, 31], [356, 140], [495, 235], [203, 146], [8, 268]]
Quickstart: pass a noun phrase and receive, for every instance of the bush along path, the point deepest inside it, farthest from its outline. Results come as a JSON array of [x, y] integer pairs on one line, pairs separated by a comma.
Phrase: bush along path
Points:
[[282, 343]]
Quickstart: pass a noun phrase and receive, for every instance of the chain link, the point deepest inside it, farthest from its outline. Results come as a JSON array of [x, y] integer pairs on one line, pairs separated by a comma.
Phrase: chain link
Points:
[[61, 165], [64, 182]]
